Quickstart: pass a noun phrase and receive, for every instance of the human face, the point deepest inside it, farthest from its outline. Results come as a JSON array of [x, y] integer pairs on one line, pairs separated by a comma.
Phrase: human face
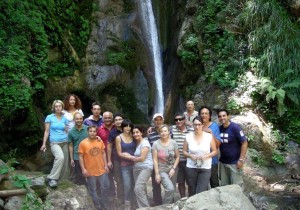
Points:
[[190, 106], [164, 133], [118, 121], [72, 101], [78, 119], [137, 134], [223, 118], [96, 110], [179, 121], [204, 114], [58, 108], [92, 132], [158, 121], [107, 118], [197, 125], [127, 129]]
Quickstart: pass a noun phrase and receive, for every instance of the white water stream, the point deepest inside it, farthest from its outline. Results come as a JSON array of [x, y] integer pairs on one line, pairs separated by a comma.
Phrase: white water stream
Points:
[[150, 30]]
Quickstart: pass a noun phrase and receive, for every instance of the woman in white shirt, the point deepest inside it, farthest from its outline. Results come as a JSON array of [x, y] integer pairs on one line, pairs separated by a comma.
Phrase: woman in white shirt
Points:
[[199, 147]]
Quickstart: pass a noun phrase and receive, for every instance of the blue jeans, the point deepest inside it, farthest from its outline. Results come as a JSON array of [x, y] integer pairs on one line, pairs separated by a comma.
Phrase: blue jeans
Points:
[[93, 183], [128, 183]]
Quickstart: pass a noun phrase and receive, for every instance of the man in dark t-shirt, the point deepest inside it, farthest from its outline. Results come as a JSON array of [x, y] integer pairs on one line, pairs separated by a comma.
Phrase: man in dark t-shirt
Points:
[[233, 150]]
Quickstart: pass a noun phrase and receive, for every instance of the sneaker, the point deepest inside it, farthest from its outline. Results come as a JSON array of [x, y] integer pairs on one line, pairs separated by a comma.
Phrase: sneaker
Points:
[[52, 183]]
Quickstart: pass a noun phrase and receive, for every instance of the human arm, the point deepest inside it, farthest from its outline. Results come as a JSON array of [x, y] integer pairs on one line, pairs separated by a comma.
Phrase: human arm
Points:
[[142, 157], [71, 150], [173, 169], [241, 160], [119, 150], [105, 161], [109, 149], [155, 164], [81, 162], [46, 135]]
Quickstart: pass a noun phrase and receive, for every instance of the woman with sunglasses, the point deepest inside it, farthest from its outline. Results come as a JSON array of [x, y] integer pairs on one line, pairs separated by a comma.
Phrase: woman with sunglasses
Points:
[[199, 147]]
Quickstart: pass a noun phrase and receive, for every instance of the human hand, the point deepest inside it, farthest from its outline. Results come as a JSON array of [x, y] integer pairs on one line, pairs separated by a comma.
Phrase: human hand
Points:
[[109, 164], [172, 172], [85, 173], [72, 163], [157, 178], [106, 169], [239, 164]]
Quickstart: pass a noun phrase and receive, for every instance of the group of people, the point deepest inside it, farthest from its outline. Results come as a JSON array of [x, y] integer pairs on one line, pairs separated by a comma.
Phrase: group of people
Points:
[[112, 157]]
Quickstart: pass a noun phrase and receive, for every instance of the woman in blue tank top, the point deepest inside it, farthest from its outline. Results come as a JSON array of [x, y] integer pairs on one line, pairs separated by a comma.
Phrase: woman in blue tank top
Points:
[[125, 146]]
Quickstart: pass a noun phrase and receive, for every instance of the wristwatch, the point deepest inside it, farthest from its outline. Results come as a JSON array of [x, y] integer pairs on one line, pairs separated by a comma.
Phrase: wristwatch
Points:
[[241, 160]]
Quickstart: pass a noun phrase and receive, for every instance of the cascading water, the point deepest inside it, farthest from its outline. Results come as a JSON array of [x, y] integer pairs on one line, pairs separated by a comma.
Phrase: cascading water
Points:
[[150, 31]]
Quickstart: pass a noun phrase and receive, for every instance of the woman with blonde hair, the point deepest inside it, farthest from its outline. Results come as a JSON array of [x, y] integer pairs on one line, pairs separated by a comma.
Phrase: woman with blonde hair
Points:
[[165, 159], [56, 131]]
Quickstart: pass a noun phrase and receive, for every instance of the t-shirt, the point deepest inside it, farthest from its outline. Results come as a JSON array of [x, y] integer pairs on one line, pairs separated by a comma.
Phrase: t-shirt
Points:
[[57, 132], [179, 137], [232, 138], [92, 151], [70, 118], [76, 136], [148, 162], [165, 155], [214, 127], [90, 121], [113, 133], [103, 133], [190, 118], [199, 149]]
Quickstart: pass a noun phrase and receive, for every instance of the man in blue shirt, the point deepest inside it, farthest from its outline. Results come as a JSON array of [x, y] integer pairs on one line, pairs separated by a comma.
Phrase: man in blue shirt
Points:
[[233, 150]]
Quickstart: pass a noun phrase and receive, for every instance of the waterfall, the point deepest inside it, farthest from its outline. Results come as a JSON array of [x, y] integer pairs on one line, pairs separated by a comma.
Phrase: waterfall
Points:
[[150, 31]]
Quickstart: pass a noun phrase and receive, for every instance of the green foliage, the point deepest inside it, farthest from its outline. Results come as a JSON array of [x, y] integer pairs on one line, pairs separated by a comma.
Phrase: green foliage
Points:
[[257, 157], [123, 53], [233, 107], [21, 181], [278, 157], [28, 30], [274, 40], [221, 53]]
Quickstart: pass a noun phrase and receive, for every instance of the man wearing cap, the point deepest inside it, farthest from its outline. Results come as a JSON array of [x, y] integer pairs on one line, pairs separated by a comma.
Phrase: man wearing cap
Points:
[[153, 135], [190, 113]]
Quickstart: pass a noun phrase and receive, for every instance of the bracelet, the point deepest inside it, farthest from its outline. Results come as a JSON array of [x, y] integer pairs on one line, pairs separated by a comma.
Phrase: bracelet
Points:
[[174, 168], [241, 160]]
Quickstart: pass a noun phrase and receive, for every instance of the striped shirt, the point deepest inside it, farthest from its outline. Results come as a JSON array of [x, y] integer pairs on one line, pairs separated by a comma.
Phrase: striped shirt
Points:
[[179, 137]]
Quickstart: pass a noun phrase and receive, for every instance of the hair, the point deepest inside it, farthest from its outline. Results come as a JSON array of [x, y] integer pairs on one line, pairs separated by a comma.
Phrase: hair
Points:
[[164, 126], [209, 111], [223, 110], [197, 118], [75, 113], [92, 126], [55, 102], [95, 103], [78, 104], [140, 128], [179, 114], [126, 123], [118, 115]]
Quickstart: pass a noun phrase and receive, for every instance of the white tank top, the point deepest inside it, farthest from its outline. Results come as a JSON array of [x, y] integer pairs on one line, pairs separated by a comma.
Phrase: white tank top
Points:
[[199, 149]]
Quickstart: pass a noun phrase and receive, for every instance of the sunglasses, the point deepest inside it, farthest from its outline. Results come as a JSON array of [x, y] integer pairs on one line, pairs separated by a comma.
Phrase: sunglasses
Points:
[[179, 119]]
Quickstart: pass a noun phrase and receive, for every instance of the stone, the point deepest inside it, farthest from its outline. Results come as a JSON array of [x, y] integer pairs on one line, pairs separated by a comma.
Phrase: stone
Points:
[[70, 197], [1, 204], [14, 203], [229, 197]]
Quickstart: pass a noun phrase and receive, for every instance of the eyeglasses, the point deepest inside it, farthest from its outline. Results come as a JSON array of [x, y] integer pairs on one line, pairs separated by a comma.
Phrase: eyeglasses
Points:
[[179, 119], [197, 124]]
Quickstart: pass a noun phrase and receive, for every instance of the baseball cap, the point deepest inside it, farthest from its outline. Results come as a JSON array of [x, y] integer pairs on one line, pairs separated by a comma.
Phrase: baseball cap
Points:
[[157, 115]]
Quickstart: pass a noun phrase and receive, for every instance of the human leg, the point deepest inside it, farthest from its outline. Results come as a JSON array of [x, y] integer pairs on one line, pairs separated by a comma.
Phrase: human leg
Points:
[[128, 183], [156, 190], [92, 187], [192, 180], [118, 179], [214, 179], [168, 186], [141, 177], [181, 177], [80, 179], [236, 175], [58, 161], [203, 180], [224, 174], [65, 171]]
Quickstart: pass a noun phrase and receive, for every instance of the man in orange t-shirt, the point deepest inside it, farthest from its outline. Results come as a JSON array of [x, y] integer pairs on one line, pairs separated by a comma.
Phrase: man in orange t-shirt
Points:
[[92, 159]]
